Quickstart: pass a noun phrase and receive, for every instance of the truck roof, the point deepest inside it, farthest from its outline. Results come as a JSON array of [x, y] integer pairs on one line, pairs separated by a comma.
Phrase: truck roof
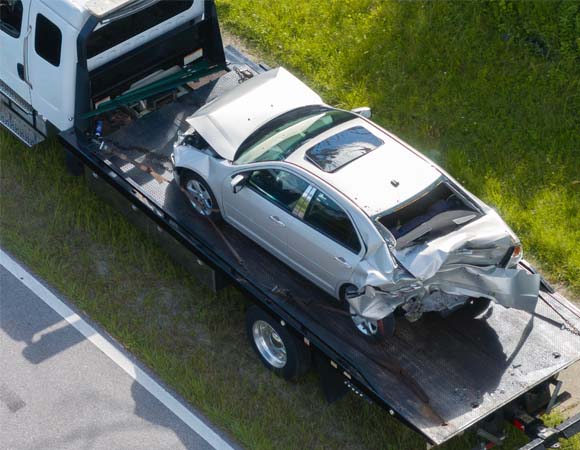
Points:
[[76, 12], [101, 8]]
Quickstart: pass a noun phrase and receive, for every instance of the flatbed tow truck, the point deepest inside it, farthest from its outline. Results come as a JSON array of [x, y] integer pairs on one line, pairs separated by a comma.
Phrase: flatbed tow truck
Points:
[[441, 378]]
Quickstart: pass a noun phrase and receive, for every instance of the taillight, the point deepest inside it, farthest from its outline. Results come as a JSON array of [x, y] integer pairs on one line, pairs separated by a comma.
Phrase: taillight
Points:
[[516, 255]]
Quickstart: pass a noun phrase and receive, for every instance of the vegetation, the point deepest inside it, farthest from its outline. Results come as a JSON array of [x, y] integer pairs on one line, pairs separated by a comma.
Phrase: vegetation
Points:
[[488, 89]]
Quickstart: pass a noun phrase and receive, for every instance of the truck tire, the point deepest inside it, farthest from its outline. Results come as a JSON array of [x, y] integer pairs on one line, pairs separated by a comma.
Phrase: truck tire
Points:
[[200, 195], [278, 349], [74, 166]]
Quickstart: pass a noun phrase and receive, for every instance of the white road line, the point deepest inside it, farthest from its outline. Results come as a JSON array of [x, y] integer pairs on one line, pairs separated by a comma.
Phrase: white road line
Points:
[[154, 388]]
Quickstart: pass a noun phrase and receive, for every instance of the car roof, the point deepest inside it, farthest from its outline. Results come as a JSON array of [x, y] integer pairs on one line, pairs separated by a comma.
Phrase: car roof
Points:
[[379, 180]]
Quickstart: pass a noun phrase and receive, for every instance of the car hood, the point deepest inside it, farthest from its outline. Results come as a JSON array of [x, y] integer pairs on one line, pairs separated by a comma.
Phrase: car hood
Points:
[[229, 119]]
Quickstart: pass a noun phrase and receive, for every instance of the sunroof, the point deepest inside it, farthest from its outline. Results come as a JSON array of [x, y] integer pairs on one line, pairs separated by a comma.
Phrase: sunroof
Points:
[[342, 148]]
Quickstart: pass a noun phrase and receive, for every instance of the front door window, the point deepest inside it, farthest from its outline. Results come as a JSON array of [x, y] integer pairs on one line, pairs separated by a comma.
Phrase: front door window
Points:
[[280, 187]]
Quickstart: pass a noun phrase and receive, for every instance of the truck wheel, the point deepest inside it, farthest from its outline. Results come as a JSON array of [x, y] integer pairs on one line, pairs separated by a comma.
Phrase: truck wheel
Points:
[[475, 306], [375, 331], [200, 195], [278, 349], [74, 166]]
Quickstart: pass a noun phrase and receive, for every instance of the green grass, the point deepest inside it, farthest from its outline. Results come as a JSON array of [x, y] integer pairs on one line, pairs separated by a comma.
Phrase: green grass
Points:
[[494, 112], [489, 90]]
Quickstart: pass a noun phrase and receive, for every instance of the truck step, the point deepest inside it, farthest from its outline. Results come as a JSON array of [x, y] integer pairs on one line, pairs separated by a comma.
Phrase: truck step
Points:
[[15, 98], [19, 127]]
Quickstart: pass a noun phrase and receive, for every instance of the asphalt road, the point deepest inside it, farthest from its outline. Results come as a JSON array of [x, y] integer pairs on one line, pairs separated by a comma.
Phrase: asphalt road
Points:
[[59, 391]]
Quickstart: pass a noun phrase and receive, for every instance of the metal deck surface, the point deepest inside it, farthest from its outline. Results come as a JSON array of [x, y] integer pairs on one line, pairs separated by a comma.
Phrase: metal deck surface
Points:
[[441, 375]]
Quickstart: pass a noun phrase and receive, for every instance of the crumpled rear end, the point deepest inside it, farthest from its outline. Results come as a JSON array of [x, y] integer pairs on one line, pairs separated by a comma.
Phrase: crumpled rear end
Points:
[[440, 275]]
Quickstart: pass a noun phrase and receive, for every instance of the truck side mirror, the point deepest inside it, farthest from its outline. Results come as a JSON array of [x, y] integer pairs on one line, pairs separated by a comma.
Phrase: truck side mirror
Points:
[[238, 182], [363, 111]]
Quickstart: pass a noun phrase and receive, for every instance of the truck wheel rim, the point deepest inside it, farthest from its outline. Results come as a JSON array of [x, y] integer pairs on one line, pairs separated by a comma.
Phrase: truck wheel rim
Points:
[[201, 200], [365, 326], [269, 344]]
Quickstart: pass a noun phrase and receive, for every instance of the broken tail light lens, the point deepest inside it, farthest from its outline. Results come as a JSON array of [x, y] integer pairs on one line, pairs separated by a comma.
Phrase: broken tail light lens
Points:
[[517, 254]]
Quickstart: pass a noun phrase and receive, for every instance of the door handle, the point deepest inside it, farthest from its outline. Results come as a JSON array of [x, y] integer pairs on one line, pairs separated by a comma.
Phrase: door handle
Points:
[[343, 261], [20, 70], [277, 221]]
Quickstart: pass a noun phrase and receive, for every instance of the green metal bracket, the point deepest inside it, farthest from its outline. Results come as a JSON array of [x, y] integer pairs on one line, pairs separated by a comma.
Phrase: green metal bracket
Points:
[[193, 72]]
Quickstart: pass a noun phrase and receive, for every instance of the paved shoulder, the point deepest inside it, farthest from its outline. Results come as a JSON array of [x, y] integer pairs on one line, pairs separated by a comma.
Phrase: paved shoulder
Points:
[[59, 390]]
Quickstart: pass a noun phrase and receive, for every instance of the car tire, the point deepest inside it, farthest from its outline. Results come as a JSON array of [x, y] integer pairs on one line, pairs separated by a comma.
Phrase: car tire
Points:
[[374, 331], [278, 349], [474, 307], [199, 195]]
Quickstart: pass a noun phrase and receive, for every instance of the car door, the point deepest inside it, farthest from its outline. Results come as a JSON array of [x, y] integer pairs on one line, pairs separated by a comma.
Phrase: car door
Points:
[[262, 209], [13, 38], [324, 242]]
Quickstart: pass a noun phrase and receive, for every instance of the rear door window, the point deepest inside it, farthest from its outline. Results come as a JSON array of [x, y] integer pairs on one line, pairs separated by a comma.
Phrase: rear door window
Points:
[[121, 30], [48, 40], [330, 219], [11, 17]]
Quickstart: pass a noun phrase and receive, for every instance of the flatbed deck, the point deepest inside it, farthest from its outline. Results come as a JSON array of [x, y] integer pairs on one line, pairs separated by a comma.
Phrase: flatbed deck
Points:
[[438, 375]]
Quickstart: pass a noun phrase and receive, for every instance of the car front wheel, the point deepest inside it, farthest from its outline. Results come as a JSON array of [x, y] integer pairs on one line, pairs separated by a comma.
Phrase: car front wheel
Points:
[[199, 195]]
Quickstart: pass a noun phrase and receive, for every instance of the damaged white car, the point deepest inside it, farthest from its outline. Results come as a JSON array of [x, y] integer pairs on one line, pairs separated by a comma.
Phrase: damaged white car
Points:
[[348, 205]]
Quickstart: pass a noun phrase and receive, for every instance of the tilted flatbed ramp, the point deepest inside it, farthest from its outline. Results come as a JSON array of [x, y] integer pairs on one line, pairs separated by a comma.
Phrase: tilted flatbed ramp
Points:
[[440, 376]]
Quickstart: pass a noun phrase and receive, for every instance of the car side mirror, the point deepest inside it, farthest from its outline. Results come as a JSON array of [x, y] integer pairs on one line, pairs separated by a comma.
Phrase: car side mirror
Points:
[[364, 111], [238, 182]]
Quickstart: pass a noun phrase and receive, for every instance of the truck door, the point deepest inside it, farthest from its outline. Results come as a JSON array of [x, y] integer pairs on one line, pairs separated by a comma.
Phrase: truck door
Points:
[[51, 65], [13, 38]]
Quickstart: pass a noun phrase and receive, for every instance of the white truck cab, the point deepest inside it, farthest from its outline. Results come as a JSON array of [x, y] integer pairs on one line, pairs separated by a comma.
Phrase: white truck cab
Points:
[[60, 58]]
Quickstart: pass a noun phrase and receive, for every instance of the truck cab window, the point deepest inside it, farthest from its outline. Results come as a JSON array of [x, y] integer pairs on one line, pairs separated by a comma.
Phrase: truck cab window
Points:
[[48, 40], [11, 17], [121, 30]]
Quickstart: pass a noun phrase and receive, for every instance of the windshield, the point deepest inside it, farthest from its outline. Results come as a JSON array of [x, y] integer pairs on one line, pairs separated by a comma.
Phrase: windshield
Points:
[[277, 139]]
